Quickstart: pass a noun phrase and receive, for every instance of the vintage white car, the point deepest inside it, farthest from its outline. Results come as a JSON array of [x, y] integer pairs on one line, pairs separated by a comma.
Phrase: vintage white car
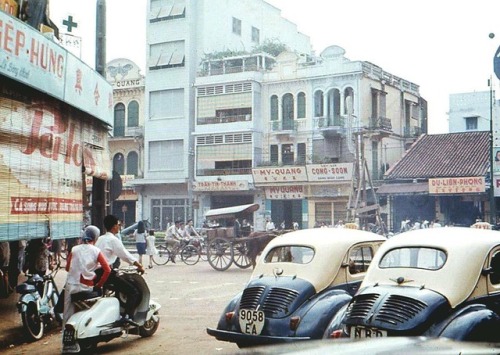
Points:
[[300, 281], [442, 282]]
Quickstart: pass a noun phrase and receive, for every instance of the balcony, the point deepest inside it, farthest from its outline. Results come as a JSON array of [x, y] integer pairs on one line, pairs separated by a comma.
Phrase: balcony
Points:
[[380, 127], [224, 172], [287, 127], [330, 127], [225, 119]]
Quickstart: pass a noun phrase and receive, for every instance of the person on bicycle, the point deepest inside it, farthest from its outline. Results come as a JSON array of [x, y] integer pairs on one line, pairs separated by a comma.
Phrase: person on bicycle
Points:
[[112, 248], [81, 265], [190, 230], [173, 239]]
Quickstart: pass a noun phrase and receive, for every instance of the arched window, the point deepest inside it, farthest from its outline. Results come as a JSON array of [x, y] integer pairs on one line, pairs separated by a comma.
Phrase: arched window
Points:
[[274, 108], [119, 163], [119, 124], [132, 163], [133, 114], [301, 105], [349, 101], [287, 111], [318, 104], [333, 108]]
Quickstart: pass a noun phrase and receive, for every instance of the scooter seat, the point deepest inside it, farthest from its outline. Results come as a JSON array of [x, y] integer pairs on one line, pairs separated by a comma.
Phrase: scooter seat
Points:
[[84, 295]]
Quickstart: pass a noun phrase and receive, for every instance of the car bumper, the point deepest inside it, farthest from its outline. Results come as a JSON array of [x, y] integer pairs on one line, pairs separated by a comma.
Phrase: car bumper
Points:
[[251, 340]]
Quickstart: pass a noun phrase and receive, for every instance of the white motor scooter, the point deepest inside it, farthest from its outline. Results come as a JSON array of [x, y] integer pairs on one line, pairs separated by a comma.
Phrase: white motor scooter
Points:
[[101, 321]]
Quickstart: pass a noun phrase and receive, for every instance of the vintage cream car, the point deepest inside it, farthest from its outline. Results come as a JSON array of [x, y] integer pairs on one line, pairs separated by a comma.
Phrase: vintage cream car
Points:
[[442, 282], [300, 281]]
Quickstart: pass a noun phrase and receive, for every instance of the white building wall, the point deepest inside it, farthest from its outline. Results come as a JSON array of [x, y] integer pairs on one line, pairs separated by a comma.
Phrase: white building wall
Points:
[[470, 104]]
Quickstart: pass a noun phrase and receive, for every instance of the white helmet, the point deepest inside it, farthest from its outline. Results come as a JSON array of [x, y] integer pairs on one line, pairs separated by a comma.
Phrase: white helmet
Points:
[[90, 233]]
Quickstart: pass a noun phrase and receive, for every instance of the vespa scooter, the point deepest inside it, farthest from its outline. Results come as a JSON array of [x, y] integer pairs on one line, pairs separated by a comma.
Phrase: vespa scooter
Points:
[[100, 319]]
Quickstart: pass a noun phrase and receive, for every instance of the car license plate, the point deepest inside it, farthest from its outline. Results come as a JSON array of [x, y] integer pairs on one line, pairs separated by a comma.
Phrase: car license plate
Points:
[[251, 321], [68, 337], [362, 332]]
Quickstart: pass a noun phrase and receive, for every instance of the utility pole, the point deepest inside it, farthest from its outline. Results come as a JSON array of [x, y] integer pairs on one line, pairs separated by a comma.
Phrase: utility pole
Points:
[[98, 209], [360, 209]]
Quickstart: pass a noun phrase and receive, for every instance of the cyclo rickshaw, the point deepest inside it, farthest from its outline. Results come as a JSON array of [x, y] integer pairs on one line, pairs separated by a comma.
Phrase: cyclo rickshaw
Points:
[[223, 247]]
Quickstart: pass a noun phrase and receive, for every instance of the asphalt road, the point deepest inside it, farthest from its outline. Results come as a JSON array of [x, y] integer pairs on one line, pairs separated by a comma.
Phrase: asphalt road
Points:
[[192, 299]]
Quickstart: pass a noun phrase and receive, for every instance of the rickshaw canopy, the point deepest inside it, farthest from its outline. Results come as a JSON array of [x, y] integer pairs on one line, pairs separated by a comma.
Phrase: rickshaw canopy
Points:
[[233, 211]]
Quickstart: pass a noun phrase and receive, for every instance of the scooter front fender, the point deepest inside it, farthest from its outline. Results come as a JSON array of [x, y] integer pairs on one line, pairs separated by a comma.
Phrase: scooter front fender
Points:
[[22, 304], [153, 308], [90, 322]]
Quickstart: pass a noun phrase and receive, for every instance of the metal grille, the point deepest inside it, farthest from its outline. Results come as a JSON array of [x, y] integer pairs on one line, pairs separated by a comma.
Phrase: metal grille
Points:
[[362, 305], [251, 297], [399, 309], [278, 300]]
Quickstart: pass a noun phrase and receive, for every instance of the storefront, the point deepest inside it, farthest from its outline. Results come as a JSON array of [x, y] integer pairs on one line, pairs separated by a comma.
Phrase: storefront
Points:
[[310, 195]]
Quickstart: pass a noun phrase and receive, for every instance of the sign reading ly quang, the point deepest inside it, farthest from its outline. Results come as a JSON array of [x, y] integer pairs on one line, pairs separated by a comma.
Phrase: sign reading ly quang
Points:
[[454, 185]]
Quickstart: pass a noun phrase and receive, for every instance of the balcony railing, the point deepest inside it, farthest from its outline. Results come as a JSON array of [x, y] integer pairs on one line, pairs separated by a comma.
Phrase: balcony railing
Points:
[[325, 122], [225, 119], [287, 126], [413, 131], [380, 123], [221, 172]]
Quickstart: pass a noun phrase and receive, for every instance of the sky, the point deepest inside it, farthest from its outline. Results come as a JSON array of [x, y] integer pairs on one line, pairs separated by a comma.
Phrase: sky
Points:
[[442, 46]]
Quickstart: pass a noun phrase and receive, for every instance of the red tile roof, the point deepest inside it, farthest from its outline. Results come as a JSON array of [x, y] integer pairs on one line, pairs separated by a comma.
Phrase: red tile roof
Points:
[[444, 155]]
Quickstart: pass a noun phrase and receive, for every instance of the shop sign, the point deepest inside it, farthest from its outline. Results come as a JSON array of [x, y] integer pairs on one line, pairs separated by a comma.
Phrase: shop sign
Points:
[[496, 185], [282, 174], [330, 190], [288, 192], [458, 185], [329, 172], [232, 185]]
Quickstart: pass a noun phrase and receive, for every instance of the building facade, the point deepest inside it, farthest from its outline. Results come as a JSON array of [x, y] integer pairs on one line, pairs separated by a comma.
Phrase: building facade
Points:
[[127, 141], [180, 34], [291, 133], [471, 111]]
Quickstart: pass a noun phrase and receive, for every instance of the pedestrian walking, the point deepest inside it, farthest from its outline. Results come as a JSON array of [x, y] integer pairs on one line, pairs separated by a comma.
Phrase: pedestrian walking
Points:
[[140, 240], [151, 247]]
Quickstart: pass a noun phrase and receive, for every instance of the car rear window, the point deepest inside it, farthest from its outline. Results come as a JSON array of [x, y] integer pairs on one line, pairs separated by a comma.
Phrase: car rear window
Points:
[[414, 257], [290, 254]]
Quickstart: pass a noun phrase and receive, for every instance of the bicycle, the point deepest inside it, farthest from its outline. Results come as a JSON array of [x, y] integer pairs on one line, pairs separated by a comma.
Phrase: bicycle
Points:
[[189, 253]]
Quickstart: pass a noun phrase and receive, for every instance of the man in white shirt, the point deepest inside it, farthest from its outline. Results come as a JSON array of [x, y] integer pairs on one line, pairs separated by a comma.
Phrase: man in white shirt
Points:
[[173, 239], [270, 225], [112, 248]]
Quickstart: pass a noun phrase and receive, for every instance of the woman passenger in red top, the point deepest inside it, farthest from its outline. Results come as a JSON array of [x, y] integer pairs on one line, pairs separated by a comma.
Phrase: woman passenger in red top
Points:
[[81, 264]]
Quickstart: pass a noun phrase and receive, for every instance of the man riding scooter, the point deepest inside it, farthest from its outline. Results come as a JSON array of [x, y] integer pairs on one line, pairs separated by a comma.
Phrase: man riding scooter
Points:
[[112, 248]]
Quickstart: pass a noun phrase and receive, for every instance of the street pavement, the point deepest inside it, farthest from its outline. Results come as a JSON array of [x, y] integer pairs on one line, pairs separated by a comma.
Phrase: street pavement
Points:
[[192, 299]]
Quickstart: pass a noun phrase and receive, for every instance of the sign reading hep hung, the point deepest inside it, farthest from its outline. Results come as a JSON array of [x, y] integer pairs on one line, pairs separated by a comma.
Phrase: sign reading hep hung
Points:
[[459, 185]]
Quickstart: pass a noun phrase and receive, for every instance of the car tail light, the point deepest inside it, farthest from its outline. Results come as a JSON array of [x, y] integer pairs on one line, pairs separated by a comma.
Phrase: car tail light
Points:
[[229, 316], [294, 322], [336, 334]]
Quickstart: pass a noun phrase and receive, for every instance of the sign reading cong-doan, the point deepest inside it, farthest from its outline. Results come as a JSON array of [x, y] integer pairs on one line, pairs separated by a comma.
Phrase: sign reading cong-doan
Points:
[[457, 185]]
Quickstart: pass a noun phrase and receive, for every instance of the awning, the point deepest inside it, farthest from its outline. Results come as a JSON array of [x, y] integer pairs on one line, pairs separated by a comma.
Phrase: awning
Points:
[[233, 211], [404, 189]]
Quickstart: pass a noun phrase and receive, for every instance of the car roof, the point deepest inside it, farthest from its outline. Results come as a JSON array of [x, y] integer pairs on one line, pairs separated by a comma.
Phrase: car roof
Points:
[[466, 250], [330, 246]]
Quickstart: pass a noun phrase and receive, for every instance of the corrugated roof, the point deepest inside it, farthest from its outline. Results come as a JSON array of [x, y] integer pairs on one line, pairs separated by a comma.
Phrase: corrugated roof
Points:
[[444, 155]]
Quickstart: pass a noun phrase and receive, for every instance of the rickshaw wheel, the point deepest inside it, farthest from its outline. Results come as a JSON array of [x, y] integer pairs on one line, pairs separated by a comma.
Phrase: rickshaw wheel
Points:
[[240, 251], [220, 254]]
